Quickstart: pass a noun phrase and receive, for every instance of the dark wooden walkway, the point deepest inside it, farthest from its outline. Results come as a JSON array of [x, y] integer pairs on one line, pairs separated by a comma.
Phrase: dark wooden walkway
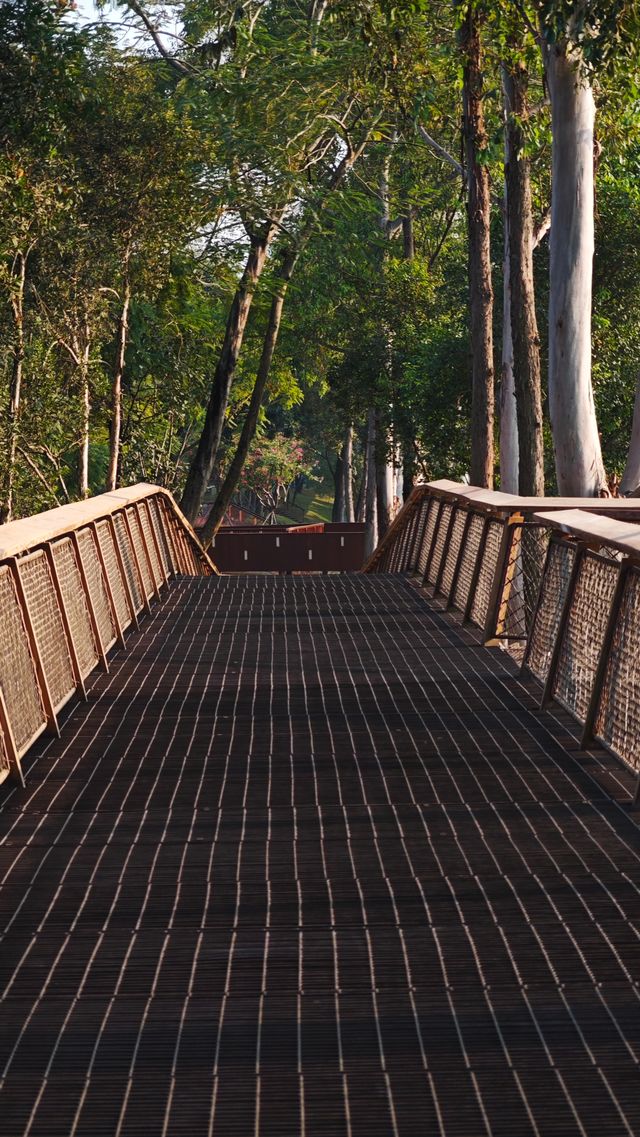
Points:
[[310, 864]]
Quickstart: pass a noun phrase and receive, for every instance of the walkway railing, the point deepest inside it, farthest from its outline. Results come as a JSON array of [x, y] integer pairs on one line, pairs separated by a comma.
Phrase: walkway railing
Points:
[[559, 578], [72, 580]]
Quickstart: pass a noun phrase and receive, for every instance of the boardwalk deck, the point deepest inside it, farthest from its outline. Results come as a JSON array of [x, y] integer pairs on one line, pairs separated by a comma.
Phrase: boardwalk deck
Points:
[[309, 863]]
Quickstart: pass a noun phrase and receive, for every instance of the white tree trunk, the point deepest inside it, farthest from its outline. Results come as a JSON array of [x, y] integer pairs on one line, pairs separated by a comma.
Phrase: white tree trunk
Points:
[[630, 484], [578, 457], [347, 461], [508, 410], [371, 515]]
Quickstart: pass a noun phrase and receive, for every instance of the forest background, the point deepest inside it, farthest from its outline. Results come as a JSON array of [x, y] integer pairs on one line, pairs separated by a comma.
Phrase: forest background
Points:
[[351, 240]]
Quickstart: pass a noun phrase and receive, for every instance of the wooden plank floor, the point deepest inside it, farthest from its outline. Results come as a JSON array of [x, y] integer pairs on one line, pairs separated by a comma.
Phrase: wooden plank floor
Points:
[[309, 863]]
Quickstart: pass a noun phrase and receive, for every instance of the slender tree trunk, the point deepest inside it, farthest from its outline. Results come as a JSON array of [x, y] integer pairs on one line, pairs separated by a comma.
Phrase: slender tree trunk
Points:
[[361, 504], [85, 394], [115, 428], [524, 325], [479, 223], [15, 385], [203, 462], [630, 484], [338, 495], [384, 476], [228, 487], [347, 471], [578, 456], [371, 504], [508, 413]]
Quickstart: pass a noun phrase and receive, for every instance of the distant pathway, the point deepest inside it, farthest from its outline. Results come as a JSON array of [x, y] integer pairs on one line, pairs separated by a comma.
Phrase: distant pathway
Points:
[[310, 864]]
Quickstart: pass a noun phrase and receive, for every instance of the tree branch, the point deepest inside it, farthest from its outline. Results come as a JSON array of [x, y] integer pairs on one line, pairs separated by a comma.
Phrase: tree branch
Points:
[[176, 64], [441, 152]]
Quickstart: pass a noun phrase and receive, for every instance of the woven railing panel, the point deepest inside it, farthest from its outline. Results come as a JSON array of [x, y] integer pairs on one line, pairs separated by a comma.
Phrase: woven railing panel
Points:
[[126, 552], [618, 718], [138, 544], [400, 545], [451, 555], [487, 573], [467, 564], [95, 580], [48, 628], [584, 632], [158, 520], [114, 573], [552, 597], [421, 517], [168, 533], [4, 760], [440, 541], [17, 671], [145, 521], [64, 558], [427, 535]]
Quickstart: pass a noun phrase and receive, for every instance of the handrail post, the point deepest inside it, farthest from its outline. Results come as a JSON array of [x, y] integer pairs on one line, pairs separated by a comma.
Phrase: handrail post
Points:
[[501, 587], [603, 657], [123, 572]]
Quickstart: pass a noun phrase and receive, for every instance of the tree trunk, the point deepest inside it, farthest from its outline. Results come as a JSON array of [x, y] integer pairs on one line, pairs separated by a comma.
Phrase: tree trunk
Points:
[[508, 413], [15, 386], [337, 508], [578, 457], [524, 325], [371, 510], [361, 504], [384, 477], [228, 487], [347, 474], [203, 462], [85, 394], [115, 428], [480, 284], [630, 484]]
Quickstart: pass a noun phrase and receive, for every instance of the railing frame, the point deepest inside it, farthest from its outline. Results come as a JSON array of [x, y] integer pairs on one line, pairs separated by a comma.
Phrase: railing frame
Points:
[[21, 541]]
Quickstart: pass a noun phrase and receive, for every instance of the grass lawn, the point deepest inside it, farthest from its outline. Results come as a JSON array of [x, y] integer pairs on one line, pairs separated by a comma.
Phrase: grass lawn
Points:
[[316, 502]]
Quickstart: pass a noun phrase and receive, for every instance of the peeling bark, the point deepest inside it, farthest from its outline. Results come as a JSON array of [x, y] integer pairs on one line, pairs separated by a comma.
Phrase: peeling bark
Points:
[[578, 457], [522, 303]]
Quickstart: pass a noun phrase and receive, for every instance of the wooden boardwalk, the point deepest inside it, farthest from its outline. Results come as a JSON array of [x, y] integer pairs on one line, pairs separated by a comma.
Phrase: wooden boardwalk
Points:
[[309, 863]]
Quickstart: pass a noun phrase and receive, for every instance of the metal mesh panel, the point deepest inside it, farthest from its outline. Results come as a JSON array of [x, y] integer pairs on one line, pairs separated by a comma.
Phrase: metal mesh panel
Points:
[[97, 591], [467, 564], [169, 535], [487, 572], [156, 512], [48, 628], [618, 719], [425, 545], [17, 672], [453, 548], [126, 552], [439, 543], [552, 598], [145, 522], [75, 603], [527, 560], [114, 573], [584, 631], [138, 544], [421, 517]]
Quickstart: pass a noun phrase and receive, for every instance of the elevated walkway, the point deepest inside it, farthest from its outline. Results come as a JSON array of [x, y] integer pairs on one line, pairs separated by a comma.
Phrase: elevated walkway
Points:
[[309, 861]]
